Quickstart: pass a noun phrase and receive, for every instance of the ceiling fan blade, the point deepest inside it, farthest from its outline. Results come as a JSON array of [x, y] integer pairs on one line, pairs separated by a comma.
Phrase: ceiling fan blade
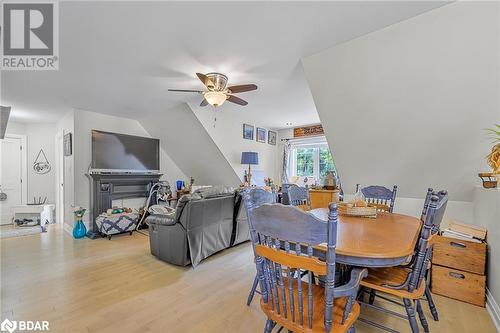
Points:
[[242, 88], [205, 80], [204, 102], [186, 90], [237, 100]]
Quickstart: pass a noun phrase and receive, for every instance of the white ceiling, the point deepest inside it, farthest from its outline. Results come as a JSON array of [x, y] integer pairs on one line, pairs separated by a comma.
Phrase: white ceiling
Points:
[[120, 58]]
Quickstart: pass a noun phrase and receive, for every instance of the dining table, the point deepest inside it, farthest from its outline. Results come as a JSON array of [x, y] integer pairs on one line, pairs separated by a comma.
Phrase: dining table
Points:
[[385, 241]]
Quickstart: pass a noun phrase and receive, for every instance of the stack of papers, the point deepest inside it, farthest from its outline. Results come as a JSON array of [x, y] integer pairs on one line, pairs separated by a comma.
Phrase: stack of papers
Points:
[[466, 232]]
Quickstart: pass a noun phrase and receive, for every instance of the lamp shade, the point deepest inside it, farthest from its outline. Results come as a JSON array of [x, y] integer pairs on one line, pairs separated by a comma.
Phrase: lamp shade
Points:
[[249, 157]]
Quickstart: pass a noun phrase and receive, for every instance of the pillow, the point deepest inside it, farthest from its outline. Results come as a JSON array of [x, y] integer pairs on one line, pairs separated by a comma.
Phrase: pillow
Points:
[[214, 191]]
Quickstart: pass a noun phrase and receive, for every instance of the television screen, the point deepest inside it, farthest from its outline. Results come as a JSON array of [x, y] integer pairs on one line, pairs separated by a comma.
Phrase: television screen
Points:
[[125, 153]]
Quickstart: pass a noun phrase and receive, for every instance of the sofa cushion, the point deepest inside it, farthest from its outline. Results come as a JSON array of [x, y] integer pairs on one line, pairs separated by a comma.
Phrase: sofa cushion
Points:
[[214, 191]]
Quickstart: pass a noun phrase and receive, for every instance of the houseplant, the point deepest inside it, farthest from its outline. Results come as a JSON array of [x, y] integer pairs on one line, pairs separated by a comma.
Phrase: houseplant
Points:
[[79, 229], [490, 179], [493, 158]]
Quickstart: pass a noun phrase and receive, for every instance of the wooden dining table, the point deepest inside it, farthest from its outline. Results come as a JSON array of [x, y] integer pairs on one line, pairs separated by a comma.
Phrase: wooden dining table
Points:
[[385, 241]]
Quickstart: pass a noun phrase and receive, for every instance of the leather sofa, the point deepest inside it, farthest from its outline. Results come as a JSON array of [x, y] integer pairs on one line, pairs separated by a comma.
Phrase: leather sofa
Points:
[[206, 222]]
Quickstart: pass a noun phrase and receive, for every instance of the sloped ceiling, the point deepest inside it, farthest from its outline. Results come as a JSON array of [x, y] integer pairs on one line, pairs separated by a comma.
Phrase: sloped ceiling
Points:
[[186, 141], [120, 57], [407, 105]]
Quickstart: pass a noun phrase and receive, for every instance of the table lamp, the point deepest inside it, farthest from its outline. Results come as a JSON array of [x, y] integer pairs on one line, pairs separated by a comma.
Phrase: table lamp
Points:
[[249, 157]]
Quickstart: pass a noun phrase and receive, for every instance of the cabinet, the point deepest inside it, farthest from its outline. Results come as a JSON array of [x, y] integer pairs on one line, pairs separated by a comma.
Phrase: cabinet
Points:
[[322, 198]]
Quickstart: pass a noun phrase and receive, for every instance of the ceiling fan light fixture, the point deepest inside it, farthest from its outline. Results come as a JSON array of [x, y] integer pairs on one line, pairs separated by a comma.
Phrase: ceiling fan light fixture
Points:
[[215, 98]]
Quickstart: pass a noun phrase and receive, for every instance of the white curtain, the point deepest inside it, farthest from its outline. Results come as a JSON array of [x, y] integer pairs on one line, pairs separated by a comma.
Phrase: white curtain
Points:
[[284, 173]]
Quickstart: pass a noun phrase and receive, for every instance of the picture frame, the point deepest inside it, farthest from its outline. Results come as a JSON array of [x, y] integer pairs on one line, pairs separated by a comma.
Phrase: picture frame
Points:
[[271, 137], [248, 131], [261, 135], [68, 144]]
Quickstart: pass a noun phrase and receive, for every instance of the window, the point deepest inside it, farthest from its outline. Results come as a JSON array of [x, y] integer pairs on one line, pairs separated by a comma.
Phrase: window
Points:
[[310, 157]]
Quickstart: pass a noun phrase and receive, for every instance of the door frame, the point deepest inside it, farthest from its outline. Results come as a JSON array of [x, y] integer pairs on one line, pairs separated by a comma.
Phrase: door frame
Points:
[[24, 164], [59, 151]]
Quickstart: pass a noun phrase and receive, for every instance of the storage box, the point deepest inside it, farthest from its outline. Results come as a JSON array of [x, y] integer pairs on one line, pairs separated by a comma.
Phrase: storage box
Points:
[[460, 254], [460, 285], [117, 223]]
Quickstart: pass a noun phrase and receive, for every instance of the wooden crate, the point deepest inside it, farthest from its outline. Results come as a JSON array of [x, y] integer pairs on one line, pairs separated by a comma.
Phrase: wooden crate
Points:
[[460, 254], [460, 285]]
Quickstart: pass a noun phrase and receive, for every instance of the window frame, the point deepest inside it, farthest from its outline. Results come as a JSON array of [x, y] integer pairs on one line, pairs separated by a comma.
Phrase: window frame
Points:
[[316, 143]]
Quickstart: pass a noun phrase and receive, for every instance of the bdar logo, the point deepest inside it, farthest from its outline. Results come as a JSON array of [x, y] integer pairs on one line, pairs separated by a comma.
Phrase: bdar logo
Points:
[[8, 325]]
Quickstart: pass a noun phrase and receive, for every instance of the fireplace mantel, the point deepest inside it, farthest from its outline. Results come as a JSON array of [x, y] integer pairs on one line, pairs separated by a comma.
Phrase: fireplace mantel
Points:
[[108, 187]]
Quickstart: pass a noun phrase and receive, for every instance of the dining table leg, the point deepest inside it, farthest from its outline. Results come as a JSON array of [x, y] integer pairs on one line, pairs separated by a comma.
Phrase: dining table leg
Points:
[[372, 296]]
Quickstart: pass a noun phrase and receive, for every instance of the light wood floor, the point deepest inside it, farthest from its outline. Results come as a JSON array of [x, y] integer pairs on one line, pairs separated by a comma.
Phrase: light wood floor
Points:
[[118, 286]]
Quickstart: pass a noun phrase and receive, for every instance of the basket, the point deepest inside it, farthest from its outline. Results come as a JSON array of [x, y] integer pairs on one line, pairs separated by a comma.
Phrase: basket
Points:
[[346, 209], [490, 179]]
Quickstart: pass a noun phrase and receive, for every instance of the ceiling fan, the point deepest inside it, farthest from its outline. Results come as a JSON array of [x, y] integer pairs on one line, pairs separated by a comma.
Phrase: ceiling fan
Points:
[[217, 91]]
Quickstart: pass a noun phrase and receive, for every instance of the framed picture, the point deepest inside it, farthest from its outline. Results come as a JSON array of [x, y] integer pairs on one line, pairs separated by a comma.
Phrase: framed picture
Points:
[[271, 138], [261, 134], [68, 144], [248, 132]]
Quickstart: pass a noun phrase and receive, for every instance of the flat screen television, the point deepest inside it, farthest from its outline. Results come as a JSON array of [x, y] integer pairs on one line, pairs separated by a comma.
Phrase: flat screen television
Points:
[[113, 152]]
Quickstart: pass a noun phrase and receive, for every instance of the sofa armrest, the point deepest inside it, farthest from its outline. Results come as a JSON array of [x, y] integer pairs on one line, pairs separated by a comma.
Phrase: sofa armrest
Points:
[[161, 219]]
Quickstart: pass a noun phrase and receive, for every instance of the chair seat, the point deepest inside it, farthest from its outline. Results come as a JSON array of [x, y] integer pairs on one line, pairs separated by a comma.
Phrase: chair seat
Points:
[[378, 278], [318, 324]]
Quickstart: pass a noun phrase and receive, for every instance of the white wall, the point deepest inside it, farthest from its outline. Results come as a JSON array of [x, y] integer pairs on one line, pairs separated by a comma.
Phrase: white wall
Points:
[[77, 184], [228, 136], [86, 121], [487, 215], [38, 136], [185, 139], [386, 98]]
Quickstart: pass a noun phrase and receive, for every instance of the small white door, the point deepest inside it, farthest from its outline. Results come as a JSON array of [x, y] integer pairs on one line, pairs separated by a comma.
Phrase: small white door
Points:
[[10, 176]]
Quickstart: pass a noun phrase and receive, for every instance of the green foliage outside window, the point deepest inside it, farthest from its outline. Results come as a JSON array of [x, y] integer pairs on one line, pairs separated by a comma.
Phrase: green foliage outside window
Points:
[[305, 162], [325, 162]]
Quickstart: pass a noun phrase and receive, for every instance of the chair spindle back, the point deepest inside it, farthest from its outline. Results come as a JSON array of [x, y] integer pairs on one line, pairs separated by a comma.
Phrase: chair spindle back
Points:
[[285, 237], [433, 216], [379, 195], [297, 195], [252, 198]]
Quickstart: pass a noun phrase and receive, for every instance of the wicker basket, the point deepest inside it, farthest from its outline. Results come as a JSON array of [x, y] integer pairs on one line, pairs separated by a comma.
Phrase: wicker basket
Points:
[[347, 209]]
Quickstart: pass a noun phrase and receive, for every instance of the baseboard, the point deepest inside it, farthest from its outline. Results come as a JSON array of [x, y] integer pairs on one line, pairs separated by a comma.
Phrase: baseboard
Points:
[[493, 309]]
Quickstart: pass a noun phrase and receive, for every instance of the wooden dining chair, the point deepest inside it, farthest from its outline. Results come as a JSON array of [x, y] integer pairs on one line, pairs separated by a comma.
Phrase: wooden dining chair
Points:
[[298, 196], [254, 197], [285, 236], [284, 194], [380, 196], [408, 282], [434, 230]]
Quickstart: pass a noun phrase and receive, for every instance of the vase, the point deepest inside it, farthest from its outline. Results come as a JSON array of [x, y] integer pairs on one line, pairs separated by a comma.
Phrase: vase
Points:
[[179, 185], [79, 230]]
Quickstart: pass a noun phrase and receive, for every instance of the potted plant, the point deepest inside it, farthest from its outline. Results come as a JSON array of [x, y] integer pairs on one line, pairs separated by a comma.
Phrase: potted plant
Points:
[[490, 179], [493, 158], [79, 230]]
